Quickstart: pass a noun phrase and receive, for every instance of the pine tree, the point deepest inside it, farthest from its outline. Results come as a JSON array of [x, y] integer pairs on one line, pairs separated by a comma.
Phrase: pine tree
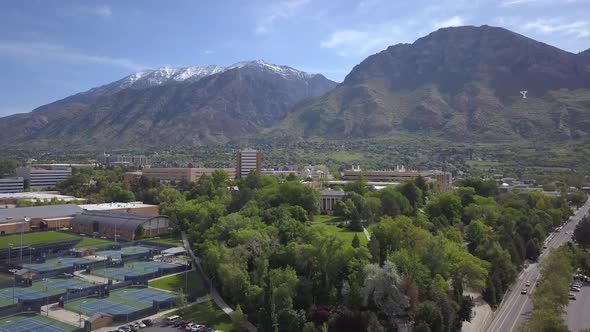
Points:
[[356, 243]]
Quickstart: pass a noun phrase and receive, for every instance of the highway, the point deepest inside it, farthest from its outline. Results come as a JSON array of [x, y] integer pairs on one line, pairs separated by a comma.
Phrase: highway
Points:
[[516, 307]]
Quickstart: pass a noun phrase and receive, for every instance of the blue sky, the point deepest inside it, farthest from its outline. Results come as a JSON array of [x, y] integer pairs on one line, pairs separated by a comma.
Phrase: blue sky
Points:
[[52, 49]]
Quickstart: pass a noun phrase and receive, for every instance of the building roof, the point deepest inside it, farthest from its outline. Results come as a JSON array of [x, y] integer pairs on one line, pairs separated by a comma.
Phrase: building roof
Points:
[[38, 196], [174, 251], [39, 212], [114, 206], [128, 221], [332, 192]]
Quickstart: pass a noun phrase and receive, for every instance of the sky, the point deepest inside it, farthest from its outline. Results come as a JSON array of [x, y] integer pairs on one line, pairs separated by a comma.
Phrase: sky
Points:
[[52, 49]]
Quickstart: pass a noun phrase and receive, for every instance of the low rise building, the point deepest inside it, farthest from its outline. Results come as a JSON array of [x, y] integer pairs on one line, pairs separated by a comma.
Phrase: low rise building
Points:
[[128, 226], [328, 200], [121, 160], [35, 196], [130, 207], [180, 174], [12, 185], [37, 217]]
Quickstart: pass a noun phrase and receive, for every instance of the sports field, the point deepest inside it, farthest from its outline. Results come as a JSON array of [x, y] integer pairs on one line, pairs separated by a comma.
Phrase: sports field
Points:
[[39, 290], [122, 301], [132, 269], [125, 251], [6, 241], [56, 264], [32, 322], [173, 241], [180, 281], [89, 242]]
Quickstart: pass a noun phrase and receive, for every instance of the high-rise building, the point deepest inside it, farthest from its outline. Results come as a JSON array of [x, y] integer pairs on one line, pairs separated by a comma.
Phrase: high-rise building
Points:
[[247, 160], [121, 160], [41, 178]]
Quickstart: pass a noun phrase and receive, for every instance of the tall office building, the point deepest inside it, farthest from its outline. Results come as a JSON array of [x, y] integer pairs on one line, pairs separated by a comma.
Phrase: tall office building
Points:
[[246, 161], [42, 178]]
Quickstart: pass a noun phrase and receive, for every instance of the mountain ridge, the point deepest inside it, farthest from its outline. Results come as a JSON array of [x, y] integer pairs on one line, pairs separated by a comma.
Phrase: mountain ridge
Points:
[[458, 84]]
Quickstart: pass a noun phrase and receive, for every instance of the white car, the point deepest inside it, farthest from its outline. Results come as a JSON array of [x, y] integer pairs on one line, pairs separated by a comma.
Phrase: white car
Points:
[[141, 325]]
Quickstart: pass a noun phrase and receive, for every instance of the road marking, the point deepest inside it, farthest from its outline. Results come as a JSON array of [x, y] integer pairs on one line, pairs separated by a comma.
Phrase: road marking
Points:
[[526, 300], [512, 298]]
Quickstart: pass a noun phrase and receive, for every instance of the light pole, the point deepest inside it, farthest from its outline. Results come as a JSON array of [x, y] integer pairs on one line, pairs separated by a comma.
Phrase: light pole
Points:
[[13, 282], [46, 297], [22, 231]]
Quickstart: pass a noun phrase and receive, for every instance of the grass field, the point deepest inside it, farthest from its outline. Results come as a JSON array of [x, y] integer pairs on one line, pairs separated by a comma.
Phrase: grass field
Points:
[[206, 313], [171, 240], [343, 233], [5, 277], [34, 322], [326, 218], [89, 242], [34, 238], [178, 281]]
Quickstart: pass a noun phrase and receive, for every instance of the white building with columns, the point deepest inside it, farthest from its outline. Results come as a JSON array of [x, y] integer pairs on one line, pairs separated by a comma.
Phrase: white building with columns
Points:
[[328, 200]]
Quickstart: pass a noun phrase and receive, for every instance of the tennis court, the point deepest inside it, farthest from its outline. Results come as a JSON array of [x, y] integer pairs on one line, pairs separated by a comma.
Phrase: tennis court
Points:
[[21, 293], [65, 284], [33, 323], [126, 251], [56, 264], [147, 295], [150, 266], [92, 306], [117, 273]]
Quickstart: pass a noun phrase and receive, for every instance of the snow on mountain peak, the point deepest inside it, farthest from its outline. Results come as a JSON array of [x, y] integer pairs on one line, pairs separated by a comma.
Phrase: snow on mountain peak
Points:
[[169, 74]]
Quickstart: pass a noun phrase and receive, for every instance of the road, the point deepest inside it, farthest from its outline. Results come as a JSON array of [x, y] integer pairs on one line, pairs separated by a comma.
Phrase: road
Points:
[[516, 307]]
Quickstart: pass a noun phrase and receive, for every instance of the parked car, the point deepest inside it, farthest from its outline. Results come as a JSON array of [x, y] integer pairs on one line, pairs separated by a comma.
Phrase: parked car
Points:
[[188, 326], [575, 289], [141, 325], [134, 327], [172, 319], [148, 322], [572, 296]]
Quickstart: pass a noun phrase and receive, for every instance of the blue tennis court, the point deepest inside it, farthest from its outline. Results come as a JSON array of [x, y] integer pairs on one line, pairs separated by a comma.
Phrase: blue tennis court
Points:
[[64, 284], [150, 266], [21, 293], [135, 250], [110, 253], [31, 324], [106, 306], [147, 295], [56, 264], [117, 273]]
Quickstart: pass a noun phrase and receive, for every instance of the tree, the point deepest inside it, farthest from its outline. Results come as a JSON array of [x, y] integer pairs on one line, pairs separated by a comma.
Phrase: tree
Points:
[[239, 320], [358, 186], [181, 300], [582, 232], [412, 193], [382, 290], [356, 243], [446, 205], [139, 232]]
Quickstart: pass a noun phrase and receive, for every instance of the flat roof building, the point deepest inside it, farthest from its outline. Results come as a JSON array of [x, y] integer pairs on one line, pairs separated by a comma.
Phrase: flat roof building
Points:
[[43, 177], [40, 217], [328, 200], [248, 160], [12, 185], [121, 160], [130, 207], [186, 174]]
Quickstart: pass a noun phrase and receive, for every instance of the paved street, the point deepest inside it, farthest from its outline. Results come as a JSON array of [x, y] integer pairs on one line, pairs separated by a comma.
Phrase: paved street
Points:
[[516, 307]]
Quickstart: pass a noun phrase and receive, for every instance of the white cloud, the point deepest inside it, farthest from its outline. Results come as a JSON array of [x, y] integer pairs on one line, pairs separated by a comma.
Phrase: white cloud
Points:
[[207, 52], [578, 29], [506, 3], [280, 10], [351, 42], [45, 51], [103, 11], [454, 21]]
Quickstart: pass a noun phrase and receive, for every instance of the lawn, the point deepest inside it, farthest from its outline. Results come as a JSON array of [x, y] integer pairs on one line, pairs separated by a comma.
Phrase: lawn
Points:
[[34, 238], [343, 233], [206, 313], [178, 281], [171, 240], [90, 242], [326, 218], [5, 277]]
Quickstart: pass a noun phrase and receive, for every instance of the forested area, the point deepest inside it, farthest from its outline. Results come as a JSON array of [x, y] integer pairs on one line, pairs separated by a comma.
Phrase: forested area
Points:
[[426, 248]]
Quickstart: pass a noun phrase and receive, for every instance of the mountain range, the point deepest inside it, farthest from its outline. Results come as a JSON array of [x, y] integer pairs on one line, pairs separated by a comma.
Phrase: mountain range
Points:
[[460, 84], [170, 106]]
